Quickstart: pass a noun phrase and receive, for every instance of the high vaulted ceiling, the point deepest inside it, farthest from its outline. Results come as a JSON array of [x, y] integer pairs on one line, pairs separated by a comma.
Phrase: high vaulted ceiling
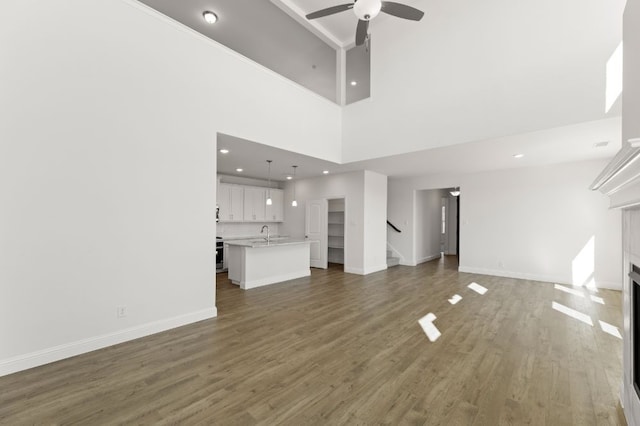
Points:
[[466, 87], [261, 31], [276, 35]]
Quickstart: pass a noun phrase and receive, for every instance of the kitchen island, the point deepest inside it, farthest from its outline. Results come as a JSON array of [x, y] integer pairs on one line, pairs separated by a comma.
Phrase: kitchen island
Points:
[[256, 263]]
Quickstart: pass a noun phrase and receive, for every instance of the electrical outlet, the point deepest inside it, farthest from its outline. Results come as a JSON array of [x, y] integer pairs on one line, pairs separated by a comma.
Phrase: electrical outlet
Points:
[[121, 311]]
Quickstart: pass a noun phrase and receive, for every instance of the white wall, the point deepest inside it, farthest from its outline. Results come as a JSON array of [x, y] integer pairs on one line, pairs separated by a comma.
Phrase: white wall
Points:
[[499, 67], [349, 186], [107, 169], [535, 222], [401, 211], [365, 200], [413, 211], [251, 229], [375, 222], [428, 225], [240, 180]]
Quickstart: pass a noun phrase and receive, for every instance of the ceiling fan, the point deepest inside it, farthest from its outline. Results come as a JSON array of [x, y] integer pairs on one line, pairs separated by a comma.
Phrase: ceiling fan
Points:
[[366, 10]]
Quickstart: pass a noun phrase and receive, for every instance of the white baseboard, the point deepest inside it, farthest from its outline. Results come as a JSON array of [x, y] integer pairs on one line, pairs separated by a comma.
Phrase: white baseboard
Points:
[[365, 271], [68, 350], [247, 285], [372, 269], [422, 260], [428, 258], [610, 285]]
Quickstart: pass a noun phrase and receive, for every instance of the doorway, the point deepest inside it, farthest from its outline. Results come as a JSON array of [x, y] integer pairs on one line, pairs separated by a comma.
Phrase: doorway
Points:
[[335, 232], [450, 224]]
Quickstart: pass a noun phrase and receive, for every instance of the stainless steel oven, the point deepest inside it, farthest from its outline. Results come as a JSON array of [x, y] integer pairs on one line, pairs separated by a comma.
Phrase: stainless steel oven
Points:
[[219, 254]]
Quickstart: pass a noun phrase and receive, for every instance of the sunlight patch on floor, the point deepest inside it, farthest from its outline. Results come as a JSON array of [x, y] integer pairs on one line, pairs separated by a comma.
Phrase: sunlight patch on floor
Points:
[[572, 313], [597, 299], [429, 328], [569, 290], [455, 299], [477, 288], [610, 329]]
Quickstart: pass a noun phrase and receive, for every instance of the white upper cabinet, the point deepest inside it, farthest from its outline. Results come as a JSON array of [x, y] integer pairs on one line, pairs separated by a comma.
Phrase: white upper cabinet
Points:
[[240, 203], [255, 201], [230, 202], [275, 212]]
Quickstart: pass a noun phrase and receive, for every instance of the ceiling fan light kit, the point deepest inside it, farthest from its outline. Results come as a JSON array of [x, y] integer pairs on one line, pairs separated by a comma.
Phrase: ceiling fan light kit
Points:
[[366, 10]]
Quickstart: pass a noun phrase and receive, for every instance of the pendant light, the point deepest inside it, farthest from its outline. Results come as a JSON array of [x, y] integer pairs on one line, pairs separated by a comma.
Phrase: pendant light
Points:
[[294, 203], [269, 201], [455, 192]]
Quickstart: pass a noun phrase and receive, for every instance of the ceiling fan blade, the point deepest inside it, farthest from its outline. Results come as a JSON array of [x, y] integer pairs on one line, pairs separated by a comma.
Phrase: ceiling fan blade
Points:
[[401, 10], [330, 11], [361, 32]]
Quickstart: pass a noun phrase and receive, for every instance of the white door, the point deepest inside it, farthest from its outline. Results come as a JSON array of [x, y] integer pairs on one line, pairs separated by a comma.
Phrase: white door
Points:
[[316, 229], [443, 225]]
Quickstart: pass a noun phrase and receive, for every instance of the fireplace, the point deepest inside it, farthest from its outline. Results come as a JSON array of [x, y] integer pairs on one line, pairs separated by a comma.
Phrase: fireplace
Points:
[[635, 291]]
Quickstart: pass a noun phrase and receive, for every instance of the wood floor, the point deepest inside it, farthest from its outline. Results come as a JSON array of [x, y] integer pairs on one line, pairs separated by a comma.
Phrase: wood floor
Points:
[[345, 349]]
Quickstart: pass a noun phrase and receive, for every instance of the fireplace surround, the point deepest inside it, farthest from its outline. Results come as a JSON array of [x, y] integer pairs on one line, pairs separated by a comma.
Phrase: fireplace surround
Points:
[[620, 181], [634, 277]]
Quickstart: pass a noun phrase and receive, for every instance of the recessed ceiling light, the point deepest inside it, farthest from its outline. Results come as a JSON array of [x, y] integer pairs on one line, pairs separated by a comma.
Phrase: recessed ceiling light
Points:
[[289, 177], [239, 170], [354, 83], [601, 144], [518, 155], [224, 151], [210, 17], [326, 172]]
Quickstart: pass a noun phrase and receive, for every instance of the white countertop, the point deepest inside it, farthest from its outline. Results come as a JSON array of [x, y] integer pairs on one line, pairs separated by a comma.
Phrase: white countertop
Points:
[[262, 242], [251, 237]]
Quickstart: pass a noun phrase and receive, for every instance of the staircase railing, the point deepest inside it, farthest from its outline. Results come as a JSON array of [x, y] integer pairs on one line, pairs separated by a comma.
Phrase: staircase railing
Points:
[[395, 228]]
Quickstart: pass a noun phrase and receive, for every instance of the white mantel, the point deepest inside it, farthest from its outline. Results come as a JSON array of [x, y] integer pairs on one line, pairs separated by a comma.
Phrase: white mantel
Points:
[[620, 180]]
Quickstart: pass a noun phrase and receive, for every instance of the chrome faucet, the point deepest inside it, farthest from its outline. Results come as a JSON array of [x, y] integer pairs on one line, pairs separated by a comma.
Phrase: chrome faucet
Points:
[[262, 232]]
